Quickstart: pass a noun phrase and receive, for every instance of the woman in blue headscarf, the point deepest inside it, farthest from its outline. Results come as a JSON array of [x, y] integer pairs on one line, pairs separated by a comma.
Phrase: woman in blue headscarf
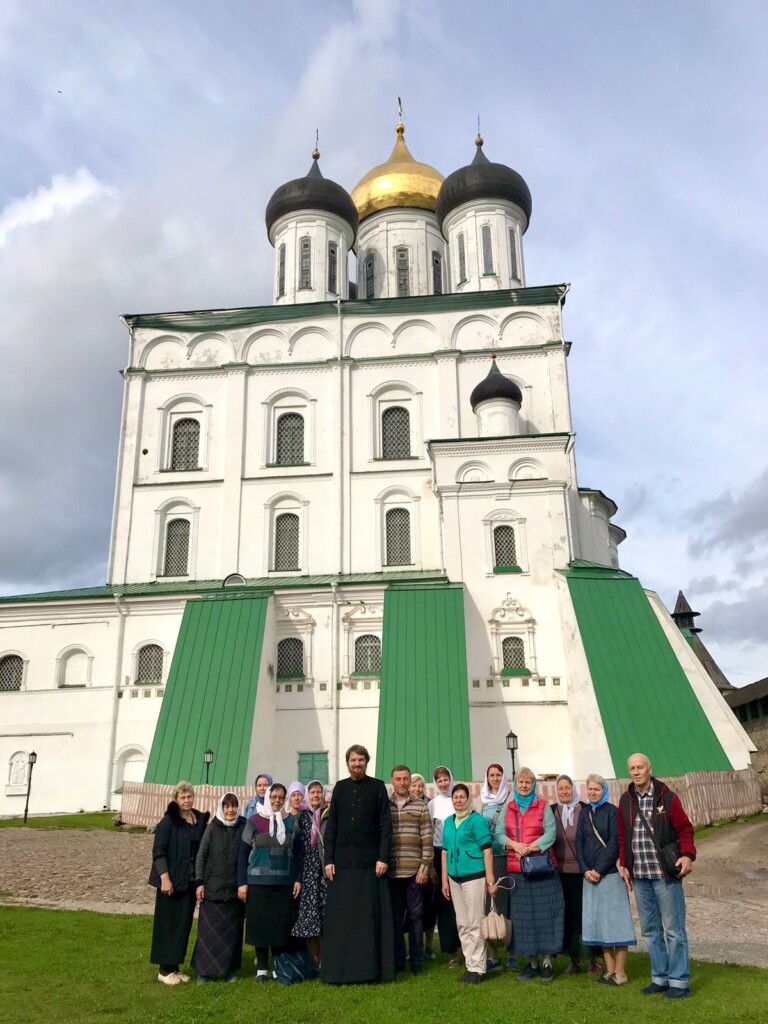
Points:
[[256, 803], [606, 919]]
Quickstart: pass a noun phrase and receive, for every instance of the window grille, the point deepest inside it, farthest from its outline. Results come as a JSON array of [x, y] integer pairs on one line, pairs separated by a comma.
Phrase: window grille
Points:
[[11, 672], [290, 658], [368, 653], [437, 273], [513, 271], [462, 259], [305, 263], [150, 665], [398, 530], [513, 652], [485, 234], [185, 446], [287, 542], [395, 433], [281, 271], [504, 549], [176, 561], [370, 267], [333, 261], [289, 449], [401, 265]]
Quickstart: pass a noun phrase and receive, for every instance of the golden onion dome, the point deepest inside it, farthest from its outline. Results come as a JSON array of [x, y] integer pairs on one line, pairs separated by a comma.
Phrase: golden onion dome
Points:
[[400, 181]]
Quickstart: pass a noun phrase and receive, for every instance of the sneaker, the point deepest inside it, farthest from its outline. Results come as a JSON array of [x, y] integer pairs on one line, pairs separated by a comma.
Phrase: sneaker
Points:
[[528, 973], [455, 961], [653, 989], [202, 979], [492, 965], [429, 953], [471, 978], [230, 977], [512, 964], [183, 977], [595, 968], [261, 976], [607, 979], [574, 967], [547, 972], [620, 979], [677, 993], [169, 979]]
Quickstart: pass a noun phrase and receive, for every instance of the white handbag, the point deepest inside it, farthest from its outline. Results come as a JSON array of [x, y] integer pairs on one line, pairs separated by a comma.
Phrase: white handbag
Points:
[[495, 928]]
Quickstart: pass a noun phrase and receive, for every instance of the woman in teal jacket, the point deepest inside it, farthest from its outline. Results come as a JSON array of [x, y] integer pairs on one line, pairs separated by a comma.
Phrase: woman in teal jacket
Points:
[[467, 872]]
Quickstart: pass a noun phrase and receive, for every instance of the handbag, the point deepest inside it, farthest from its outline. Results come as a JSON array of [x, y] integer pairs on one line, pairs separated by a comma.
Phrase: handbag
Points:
[[294, 966], [534, 865], [495, 928]]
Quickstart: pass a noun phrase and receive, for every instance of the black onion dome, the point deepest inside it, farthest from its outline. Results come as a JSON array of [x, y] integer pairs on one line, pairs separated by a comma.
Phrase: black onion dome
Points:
[[312, 192], [495, 385], [482, 179]]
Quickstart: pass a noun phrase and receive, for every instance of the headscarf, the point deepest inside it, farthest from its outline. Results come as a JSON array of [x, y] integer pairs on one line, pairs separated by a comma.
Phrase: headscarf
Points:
[[276, 823], [220, 810], [566, 810], [603, 799], [420, 778], [442, 769], [259, 804], [501, 795], [524, 802], [317, 816], [296, 787], [441, 805]]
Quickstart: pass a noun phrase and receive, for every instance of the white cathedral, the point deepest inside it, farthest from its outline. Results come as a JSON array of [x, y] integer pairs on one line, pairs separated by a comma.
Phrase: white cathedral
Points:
[[354, 516]]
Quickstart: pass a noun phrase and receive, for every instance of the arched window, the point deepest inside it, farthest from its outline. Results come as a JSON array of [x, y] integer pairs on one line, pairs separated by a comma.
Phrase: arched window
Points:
[[462, 261], [185, 446], [149, 665], [73, 668], [369, 272], [18, 768], [513, 652], [11, 672], [504, 549], [485, 235], [437, 273], [368, 654], [176, 561], [333, 267], [513, 270], [305, 263], [401, 268], [290, 659], [398, 536], [289, 443], [281, 271], [286, 542], [395, 433]]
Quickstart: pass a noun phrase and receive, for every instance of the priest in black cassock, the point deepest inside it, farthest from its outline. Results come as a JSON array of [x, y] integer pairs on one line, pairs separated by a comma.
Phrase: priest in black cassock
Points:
[[358, 940]]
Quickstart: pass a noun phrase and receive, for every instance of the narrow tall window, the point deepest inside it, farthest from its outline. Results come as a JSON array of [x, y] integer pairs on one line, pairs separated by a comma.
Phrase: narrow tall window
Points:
[[185, 445], [462, 258], [176, 561], [305, 263], [333, 267], [513, 270], [370, 270], [485, 234], [149, 667], [11, 673], [290, 659], [287, 542], [401, 266], [281, 271], [395, 433], [289, 446], [437, 273], [398, 536], [368, 654], [504, 550], [513, 652]]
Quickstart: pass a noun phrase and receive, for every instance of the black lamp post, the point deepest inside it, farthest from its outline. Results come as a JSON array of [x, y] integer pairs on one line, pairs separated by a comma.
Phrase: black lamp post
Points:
[[208, 758], [512, 747], [31, 761]]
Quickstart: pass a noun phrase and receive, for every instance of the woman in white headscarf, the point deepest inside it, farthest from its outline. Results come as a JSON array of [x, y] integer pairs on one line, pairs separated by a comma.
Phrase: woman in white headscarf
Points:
[[494, 797]]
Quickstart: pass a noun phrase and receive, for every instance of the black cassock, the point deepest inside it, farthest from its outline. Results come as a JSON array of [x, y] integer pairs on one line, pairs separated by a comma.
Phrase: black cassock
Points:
[[358, 941]]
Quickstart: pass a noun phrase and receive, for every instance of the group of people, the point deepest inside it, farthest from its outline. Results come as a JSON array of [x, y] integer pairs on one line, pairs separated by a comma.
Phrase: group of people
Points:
[[345, 882]]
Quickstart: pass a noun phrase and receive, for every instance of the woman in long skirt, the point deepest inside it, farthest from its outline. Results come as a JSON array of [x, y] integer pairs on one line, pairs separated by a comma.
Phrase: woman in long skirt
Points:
[[309, 921]]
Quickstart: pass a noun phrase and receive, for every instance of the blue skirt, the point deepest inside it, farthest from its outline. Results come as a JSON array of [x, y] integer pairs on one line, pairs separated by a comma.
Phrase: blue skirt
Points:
[[606, 919]]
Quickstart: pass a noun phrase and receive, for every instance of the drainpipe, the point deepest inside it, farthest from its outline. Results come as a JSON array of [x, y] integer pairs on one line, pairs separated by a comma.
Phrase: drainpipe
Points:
[[341, 436], [122, 612], [335, 676]]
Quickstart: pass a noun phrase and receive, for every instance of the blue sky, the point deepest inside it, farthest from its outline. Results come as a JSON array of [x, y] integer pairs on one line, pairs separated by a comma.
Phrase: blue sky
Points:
[[140, 141]]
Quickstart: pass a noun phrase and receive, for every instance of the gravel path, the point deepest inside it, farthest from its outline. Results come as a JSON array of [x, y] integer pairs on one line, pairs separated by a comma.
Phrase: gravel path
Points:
[[727, 893]]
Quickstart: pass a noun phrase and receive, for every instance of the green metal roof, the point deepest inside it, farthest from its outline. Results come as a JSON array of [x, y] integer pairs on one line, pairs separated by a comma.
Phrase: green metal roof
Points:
[[424, 700], [645, 699], [217, 319], [211, 693], [182, 588]]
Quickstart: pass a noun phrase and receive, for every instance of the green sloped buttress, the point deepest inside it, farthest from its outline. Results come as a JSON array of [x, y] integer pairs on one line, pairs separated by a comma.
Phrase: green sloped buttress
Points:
[[646, 702], [424, 698], [211, 693]]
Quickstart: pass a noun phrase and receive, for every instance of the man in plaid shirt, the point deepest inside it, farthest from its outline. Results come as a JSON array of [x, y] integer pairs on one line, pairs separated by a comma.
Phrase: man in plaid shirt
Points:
[[410, 862], [651, 818]]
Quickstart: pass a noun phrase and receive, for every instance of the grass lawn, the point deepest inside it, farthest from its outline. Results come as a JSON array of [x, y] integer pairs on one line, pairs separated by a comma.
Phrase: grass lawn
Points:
[[64, 966], [95, 819]]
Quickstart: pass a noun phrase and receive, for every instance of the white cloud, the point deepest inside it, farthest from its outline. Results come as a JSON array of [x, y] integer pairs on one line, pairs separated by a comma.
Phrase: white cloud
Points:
[[60, 197]]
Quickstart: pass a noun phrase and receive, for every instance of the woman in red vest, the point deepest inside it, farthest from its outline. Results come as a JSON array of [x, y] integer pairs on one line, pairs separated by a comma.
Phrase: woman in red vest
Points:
[[536, 902]]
